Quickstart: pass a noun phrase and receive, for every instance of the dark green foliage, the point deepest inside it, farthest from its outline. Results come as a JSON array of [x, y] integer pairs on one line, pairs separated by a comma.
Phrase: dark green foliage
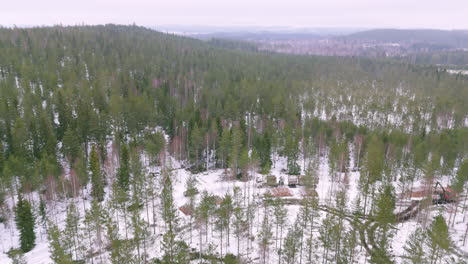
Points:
[[291, 150], [196, 143], [97, 181], [230, 259], [154, 143], [262, 102], [43, 212], [263, 146], [123, 174], [25, 223], [221, 108], [71, 145]]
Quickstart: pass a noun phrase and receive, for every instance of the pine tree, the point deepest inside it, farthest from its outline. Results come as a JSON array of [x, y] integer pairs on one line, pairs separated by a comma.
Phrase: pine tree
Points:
[[265, 235], [414, 247], [239, 216], [25, 223], [309, 214], [326, 235], [203, 212], [439, 239], [291, 243], [97, 189], [17, 257], [373, 167], [123, 174], [224, 146], [223, 215], [70, 145], [236, 146], [72, 239], [57, 250], [191, 191], [138, 179], [280, 213], [121, 250], [154, 143], [94, 222], [169, 215], [384, 216], [460, 180], [140, 236]]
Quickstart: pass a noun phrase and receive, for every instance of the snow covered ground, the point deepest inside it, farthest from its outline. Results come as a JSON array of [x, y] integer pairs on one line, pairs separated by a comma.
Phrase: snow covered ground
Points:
[[214, 182]]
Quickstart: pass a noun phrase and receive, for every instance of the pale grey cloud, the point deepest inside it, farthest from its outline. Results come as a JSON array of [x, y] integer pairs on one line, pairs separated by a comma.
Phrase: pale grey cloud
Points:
[[445, 14]]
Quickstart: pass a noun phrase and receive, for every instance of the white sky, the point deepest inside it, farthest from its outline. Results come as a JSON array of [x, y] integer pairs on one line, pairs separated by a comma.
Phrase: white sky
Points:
[[444, 14]]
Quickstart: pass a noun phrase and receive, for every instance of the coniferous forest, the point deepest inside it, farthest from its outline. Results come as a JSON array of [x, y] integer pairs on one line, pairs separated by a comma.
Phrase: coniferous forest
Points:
[[121, 144]]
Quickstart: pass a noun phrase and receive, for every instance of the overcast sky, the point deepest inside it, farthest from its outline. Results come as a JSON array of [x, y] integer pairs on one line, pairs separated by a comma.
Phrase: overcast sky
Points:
[[444, 14]]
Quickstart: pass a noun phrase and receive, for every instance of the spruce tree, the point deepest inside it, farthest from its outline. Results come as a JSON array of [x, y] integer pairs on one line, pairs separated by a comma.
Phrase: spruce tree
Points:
[[123, 175], [97, 188], [25, 222], [263, 147], [291, 149], [224, 147], [236, 146], [196, 143], [43, 213], [70, 145]]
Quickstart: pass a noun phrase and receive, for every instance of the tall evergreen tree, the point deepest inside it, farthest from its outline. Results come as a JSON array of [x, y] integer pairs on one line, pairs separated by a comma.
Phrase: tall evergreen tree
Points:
[[71, 236], [280, 214], [265, 235], [414, 247], [384, 216], [169, 215], [123, 175], [97, 188], [439, 239], [121, 250], [25, 223], [57, 250], [292, 243]]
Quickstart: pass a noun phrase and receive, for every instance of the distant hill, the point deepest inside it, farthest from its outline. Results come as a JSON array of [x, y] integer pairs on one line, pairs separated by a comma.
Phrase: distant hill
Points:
[[443, 38], [260, 35]]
